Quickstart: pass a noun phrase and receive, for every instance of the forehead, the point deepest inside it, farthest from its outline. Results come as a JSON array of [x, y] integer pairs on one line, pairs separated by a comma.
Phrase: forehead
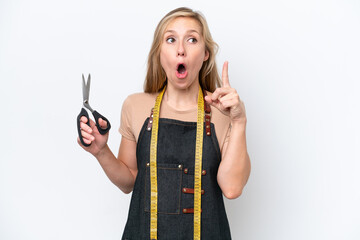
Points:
[[184, 24]]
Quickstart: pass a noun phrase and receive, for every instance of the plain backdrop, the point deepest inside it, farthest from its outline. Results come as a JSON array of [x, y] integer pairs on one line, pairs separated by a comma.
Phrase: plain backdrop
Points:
[[295, 64]]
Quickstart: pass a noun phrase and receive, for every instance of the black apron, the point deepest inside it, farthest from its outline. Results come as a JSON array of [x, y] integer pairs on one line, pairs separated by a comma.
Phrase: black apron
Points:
[[175, 172]]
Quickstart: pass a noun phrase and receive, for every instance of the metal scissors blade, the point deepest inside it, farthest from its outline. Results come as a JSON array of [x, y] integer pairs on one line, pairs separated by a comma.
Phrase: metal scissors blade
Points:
[[86, 92], [86, 88]]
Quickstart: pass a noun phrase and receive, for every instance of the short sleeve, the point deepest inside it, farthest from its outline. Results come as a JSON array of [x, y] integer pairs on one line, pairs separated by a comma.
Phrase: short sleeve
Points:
[[126, 129]]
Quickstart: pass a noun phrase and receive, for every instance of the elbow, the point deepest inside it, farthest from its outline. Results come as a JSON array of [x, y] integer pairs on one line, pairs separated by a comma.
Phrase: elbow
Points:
[[232, 194], [126, 187], [126, 190], [231, 191]]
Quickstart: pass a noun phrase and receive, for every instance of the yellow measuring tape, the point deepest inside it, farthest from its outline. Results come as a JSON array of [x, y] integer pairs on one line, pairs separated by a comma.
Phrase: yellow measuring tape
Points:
[[198, 166], [153, 168]]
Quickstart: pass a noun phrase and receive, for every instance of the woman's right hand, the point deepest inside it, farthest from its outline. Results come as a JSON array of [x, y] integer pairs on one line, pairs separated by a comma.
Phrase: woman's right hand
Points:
[[92, 136]]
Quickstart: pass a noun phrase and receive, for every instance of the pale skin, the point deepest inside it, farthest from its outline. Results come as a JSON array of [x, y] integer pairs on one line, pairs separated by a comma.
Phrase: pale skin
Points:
[[183, 43]]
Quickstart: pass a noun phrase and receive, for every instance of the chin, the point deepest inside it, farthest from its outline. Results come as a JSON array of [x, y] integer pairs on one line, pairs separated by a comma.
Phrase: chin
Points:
[[182, 85]]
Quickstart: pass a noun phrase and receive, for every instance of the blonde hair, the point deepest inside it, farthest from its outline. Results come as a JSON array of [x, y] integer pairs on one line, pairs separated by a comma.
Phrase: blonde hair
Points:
[[156, 78]]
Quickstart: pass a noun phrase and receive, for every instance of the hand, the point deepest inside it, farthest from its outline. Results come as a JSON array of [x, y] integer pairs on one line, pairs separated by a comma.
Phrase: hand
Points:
[[227, 100], [91, 135]]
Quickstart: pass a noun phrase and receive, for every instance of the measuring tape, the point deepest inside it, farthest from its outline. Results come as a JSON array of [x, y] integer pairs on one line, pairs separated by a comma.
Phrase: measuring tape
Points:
[[153, 168], [198, 166]]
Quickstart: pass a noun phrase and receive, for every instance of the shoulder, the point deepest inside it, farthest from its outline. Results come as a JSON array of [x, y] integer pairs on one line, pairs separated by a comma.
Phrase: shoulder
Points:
[[140, 98], [136, 108], [139, 102]]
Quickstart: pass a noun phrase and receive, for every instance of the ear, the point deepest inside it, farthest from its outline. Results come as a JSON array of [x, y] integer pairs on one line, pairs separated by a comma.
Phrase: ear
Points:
[[207, 55]]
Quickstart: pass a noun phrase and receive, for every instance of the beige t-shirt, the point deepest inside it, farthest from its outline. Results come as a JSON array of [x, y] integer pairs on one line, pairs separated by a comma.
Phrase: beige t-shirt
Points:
[[137, 107]]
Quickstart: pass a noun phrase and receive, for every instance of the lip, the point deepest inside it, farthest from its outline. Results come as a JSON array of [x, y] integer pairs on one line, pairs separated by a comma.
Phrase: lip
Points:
[[180, 63], [181, 75]]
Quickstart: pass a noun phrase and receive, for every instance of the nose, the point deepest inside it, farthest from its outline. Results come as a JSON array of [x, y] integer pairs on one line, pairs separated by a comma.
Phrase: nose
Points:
[[181, 50]]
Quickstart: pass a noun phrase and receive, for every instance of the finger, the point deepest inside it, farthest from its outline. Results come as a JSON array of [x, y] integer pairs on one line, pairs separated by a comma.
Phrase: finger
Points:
[[215, 103], [229, 103], [83, 119], [85, 127], [219, 92], [225, 75], [208, 99], [102, 123], [230, 96], [85, 141], [87, 136]]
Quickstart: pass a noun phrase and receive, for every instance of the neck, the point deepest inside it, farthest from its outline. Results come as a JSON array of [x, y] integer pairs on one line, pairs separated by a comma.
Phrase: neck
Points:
[[182, 99]]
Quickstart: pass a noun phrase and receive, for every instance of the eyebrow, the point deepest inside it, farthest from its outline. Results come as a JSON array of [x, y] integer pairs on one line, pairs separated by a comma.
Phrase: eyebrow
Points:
[[189, 31]]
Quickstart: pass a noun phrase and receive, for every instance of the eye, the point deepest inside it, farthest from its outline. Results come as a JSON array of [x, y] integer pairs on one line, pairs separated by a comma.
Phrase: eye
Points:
[[193, 40], [170, 39]]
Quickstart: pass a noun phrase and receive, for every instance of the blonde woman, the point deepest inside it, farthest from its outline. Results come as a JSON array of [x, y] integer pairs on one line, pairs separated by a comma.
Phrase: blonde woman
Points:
[[162, 152]]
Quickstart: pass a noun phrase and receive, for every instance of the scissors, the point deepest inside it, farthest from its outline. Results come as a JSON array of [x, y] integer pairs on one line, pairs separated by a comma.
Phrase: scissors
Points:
[[86, 92]]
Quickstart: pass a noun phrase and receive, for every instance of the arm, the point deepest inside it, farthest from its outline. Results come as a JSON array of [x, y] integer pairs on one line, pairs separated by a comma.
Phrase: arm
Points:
[[234, 169], [122, 170]]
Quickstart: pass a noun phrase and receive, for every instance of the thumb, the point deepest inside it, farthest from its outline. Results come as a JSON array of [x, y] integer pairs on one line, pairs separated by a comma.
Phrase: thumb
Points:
[[208, 99], [102, 123], [214, 103]]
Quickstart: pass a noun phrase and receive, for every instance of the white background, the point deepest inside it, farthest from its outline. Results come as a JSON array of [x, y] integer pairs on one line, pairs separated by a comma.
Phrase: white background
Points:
[[295, 64]]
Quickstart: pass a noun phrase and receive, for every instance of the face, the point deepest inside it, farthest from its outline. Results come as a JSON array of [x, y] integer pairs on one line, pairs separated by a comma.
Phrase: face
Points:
[[183, 52]]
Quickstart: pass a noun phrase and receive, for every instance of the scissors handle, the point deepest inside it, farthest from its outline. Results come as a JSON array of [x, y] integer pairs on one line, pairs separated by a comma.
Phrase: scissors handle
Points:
[[85, 114], [96, 115], [102, 131]]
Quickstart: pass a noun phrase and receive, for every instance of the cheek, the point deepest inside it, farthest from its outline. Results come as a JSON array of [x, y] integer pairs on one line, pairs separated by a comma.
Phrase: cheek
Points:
[[163, 61], [199, 53], [163, 58], [199, 57]]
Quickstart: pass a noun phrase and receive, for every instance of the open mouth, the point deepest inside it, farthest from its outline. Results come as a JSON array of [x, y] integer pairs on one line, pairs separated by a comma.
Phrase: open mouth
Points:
[[181, 71]]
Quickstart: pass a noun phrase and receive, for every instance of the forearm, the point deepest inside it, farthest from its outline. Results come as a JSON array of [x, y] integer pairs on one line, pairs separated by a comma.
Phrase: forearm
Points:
[[234, 169], [116, 170]]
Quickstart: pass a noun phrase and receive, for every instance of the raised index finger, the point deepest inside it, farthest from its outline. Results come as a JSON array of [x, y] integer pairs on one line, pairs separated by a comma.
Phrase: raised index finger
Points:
[[225, 76]]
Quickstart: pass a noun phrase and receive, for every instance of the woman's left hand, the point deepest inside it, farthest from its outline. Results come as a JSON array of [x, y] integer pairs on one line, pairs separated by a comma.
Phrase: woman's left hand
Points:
[[227, 100]]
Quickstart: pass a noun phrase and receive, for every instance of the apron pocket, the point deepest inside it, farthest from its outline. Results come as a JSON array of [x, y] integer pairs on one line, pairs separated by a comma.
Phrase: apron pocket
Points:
[[169, 188]]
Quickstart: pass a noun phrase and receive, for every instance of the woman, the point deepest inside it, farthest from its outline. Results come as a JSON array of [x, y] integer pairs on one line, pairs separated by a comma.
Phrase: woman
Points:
[[163, 157]]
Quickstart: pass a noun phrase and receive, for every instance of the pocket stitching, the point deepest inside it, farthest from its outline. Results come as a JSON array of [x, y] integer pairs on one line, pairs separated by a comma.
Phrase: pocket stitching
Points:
[[180, 184]]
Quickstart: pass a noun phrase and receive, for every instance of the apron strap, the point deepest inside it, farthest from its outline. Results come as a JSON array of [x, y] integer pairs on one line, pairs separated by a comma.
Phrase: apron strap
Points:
[[207, 115], [149, 126]]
